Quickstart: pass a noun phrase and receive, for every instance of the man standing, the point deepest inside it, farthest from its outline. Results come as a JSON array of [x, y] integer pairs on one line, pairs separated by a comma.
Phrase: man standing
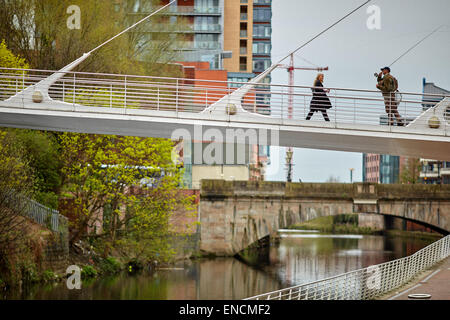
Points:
[[388, 85]]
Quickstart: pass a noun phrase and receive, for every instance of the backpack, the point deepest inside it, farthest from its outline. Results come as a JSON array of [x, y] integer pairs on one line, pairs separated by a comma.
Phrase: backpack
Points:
[[395, 83], [398, 95]]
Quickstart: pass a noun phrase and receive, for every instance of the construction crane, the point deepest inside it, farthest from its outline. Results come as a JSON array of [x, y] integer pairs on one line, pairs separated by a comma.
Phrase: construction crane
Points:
[[291, 68]]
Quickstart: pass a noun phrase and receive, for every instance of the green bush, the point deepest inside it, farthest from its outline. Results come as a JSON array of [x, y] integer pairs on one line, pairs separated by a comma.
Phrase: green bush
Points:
[[49, 276], [88, 272], [29, 272], [110, 265], [346, 219]]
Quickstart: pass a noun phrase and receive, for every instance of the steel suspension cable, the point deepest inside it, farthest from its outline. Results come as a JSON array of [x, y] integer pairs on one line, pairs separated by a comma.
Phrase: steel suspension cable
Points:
[[322, 32], [131, 27]]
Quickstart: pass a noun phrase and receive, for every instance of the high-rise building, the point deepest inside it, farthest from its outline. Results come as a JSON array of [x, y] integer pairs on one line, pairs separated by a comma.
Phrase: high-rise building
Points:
[[195, 25], [248, 35], [220, 33], [380, 168]]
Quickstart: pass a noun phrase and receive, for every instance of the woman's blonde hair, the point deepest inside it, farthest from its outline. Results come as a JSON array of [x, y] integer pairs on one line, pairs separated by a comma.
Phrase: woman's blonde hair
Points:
[[317, 77]]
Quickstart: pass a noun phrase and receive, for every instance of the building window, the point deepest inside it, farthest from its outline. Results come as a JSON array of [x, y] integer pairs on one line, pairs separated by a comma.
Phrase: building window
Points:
[[259, 65], [243, 30], [262, 47], [262, 14], [262, 31], [206, 24], [243, 47], [244, 11], [243, 63]]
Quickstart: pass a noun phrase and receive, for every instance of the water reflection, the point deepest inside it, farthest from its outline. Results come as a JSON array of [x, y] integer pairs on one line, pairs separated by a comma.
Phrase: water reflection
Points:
[[304, 258], [298, 258]]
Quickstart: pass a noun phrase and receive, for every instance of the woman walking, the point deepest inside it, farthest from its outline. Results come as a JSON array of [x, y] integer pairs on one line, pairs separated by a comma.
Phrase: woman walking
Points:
[[320, 101]]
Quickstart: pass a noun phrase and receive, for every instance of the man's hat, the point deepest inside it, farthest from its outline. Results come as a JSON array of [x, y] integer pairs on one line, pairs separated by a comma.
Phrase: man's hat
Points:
[[386, 68]]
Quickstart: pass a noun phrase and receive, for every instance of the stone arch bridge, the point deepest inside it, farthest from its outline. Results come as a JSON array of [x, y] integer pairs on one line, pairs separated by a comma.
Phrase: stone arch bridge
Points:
[[235, 214]]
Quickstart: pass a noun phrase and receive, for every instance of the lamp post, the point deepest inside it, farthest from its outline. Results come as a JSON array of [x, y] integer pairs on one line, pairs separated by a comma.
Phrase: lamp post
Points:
[[289, 164]]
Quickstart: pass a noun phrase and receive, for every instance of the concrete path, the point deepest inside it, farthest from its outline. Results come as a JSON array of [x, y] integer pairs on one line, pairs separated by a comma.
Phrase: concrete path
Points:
[[435, 282]]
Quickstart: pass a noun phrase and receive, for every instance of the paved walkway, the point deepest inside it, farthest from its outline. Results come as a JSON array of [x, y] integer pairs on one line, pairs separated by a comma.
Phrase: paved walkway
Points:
[[436, 283]]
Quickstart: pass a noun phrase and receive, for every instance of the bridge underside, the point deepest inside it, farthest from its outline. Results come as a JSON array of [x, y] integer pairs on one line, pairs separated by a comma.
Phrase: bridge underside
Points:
[[234, 215], [294, 133]]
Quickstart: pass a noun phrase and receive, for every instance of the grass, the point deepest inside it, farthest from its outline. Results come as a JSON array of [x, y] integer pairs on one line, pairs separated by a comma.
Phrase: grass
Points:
[[413, 234], [348, 223]]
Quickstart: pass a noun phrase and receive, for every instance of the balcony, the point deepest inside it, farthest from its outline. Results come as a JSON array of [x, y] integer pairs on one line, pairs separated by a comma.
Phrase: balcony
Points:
[[262, 2], [206, 28], [201, 45], [200, 28], [194, 11]]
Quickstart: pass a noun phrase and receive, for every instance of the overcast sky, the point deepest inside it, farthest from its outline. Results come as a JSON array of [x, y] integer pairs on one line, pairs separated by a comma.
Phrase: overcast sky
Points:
[[354, 53]]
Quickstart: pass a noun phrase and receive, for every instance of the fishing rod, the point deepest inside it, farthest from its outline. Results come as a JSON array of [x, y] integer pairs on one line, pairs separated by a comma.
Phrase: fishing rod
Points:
[[407, 51], [415, 45], [264, 74]]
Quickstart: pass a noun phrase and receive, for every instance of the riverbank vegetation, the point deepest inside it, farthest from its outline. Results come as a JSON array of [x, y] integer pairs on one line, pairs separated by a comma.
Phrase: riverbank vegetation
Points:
[[117, 192], [343, 224], [348, 224]]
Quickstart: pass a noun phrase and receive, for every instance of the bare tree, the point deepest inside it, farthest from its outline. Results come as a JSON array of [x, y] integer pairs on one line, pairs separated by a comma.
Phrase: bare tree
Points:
[[38, 31], [333, 179]]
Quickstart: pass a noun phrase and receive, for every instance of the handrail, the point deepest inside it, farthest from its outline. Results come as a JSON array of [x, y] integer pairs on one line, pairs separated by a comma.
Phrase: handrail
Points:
[[221, 81], [366, 283]]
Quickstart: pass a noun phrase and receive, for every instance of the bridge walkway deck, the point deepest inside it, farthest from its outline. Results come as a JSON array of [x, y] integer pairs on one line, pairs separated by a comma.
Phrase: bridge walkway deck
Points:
[[435, 282]]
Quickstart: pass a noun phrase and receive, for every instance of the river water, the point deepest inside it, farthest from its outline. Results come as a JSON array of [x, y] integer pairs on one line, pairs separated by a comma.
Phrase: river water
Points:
[[297, 258]]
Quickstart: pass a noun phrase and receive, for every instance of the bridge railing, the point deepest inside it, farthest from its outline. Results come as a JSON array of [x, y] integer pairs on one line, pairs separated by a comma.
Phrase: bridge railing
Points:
[[367, 283], [353, 106]]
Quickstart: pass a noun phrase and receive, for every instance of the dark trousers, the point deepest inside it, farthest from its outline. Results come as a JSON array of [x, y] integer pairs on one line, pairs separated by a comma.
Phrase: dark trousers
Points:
[[324, 113]]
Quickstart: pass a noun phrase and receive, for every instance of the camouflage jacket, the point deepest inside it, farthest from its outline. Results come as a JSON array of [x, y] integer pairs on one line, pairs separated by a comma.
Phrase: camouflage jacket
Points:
[[386, 83]]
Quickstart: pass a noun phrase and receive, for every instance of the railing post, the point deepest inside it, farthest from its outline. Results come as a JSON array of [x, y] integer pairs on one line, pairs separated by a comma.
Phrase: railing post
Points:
[[74, 89], [255, 107], [304, 107], [110, 95], [176, 99], [157, 102], [125, 98], [335, 108]]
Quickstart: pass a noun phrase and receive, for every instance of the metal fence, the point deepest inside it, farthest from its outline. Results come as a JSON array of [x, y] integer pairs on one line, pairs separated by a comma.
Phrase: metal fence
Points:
[[45, 216], [367, 283], [51, 219]]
